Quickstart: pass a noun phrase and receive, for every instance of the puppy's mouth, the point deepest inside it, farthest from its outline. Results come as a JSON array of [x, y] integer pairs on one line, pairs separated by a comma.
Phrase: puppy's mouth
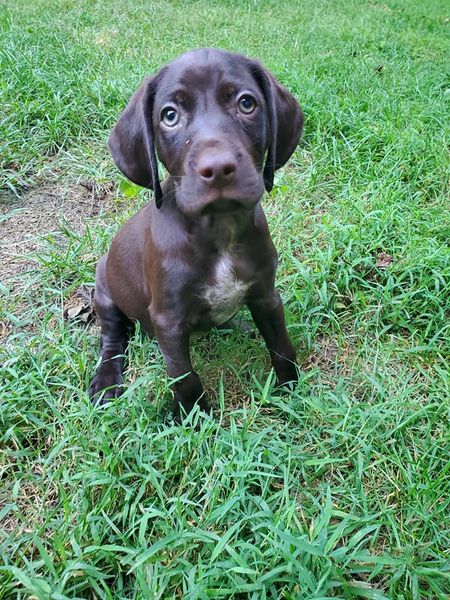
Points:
[[196, 198], [225, 206]]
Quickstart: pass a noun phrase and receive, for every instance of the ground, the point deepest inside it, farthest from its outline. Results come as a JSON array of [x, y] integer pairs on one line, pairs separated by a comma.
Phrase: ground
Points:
[[337, 489]]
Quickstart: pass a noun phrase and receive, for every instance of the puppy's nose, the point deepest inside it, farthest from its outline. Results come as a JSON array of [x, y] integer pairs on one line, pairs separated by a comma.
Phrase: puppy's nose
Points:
[[217, 169]]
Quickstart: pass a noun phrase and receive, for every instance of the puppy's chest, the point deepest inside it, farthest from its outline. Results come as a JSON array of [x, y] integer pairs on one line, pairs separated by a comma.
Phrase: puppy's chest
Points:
[[225, 292]]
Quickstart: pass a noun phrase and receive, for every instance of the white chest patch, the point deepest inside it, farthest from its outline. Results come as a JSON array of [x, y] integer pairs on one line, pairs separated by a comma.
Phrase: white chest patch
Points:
[[226, 293]]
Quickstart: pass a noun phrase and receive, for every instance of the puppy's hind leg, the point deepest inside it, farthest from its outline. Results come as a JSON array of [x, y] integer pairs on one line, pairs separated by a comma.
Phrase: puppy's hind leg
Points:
[[115, 330]]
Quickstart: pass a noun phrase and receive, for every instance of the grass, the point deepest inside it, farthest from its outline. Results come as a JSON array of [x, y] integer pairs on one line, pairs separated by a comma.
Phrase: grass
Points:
[[339, 489]]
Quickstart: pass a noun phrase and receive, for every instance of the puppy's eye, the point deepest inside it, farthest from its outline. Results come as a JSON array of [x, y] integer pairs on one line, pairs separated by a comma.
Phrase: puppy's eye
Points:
[[170, 116], [246, 104]]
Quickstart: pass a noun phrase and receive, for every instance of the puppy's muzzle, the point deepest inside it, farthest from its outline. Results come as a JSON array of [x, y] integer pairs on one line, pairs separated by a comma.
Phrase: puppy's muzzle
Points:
[[223, 177]]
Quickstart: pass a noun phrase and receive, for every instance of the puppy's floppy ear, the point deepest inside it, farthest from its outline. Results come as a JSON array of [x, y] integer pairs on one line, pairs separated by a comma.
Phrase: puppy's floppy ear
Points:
[[285, 122], [132, 143]]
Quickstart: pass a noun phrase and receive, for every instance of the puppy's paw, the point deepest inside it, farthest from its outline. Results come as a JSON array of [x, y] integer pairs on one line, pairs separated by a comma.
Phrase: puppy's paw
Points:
[[288, 376], [104, 387], [183, 407]]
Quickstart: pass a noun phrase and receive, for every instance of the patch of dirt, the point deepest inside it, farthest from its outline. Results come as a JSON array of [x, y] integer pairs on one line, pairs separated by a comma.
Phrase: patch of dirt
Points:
[[39, 212], [330, 357], [36, 213]]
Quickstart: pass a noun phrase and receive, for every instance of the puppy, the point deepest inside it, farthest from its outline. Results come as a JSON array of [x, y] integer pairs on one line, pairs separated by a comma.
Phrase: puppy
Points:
[[221, 125]]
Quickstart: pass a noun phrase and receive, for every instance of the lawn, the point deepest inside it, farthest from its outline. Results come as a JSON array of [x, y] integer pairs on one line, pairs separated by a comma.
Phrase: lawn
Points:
[[339, 488]]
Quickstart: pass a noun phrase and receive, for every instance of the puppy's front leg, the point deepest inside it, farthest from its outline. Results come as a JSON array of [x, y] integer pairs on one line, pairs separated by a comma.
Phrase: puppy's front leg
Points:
[[174, 345], [268, 314]]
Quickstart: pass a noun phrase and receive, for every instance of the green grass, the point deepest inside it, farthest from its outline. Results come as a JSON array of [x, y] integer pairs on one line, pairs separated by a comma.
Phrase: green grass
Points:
[[338, 489]]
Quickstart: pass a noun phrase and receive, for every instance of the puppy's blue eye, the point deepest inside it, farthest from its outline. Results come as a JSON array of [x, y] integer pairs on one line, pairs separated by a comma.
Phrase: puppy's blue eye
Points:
[[170, 116], [246, 104]]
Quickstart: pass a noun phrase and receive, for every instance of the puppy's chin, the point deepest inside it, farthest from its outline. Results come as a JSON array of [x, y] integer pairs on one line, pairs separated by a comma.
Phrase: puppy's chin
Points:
[[203, 200], [223, 206]]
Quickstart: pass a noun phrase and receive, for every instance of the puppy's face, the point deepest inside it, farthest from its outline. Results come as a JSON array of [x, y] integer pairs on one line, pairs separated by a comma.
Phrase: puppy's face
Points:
[[211, 130], [220, 123]]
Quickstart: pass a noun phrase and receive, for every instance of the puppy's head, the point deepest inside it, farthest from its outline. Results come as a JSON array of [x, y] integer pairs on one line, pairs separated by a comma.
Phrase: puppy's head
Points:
[[219, 122]]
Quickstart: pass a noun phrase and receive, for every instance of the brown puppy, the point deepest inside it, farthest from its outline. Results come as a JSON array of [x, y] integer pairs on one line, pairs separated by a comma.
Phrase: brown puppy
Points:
[[221, 125]]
